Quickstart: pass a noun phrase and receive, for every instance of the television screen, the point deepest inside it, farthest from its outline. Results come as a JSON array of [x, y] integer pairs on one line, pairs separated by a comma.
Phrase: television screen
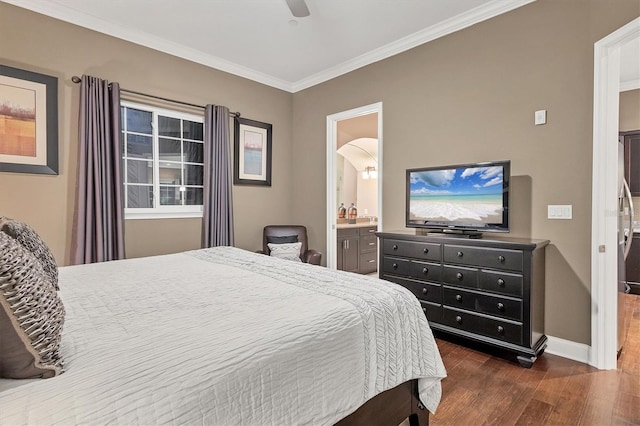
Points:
[[461, 197]]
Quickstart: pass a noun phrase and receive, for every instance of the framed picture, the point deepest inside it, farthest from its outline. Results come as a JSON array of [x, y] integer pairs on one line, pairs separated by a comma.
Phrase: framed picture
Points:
[[252, 153], [28, 122]]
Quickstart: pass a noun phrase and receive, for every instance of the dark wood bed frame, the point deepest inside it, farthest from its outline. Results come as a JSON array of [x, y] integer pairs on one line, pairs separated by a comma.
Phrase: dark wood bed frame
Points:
[[391, 408]]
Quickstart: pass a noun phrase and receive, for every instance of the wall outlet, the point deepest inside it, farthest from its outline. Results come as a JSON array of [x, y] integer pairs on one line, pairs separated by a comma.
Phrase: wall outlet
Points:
[[559, 211], [540, 117]]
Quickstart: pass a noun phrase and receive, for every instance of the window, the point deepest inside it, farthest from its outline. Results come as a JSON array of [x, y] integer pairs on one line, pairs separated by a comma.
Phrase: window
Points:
[[163, 162]]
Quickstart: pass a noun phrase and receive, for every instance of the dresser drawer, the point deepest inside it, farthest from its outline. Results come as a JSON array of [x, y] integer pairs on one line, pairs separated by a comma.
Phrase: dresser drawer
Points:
[[368, 262], [426, 271], [458, 275], [433, 311], [430, 292], [395, 265], [486, 257], [424, 251], [347, 232], [508, 331], [493, 305], [368, 230], [368, 243], [501, 282]]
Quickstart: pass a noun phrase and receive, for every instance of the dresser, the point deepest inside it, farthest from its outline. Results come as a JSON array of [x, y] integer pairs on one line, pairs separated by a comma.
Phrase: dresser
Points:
[[357, 248], [488, 290]]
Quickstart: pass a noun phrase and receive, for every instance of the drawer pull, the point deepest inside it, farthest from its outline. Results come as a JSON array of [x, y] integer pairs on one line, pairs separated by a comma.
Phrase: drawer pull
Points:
[[372, 244], [425, 290], [500, 282], [501, 307], [395, 266], [500, 329], [425, 271], [372, 230], [372, 261], [425, 250], [460, 254], [501, 258], [458, 297], [458, 319], [459, 276], [395, 247]]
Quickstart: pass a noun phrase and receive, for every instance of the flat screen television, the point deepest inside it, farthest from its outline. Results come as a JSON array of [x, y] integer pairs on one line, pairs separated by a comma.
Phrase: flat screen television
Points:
[[466, 199]]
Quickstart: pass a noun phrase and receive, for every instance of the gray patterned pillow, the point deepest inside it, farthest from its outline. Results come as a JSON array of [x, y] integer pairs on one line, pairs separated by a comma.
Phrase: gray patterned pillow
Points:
[[29, 239], [289, 251], [31, 315]]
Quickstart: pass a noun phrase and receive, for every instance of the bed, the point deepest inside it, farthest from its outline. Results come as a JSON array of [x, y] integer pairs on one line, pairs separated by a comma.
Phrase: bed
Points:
[[225, 336]]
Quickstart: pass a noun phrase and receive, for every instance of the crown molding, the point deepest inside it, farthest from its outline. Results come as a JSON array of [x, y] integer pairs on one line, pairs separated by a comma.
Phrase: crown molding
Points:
[[457, 23], [464, 20], [138, 37], [629, 85]]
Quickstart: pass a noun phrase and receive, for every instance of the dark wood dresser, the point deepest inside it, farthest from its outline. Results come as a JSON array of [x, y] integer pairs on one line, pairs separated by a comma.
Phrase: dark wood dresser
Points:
[[488, 290]]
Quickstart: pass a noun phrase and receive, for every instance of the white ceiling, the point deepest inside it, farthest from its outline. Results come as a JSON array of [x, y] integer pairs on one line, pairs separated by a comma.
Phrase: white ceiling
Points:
[[260, 39], [361, 153], [257, 39], [630, 65]]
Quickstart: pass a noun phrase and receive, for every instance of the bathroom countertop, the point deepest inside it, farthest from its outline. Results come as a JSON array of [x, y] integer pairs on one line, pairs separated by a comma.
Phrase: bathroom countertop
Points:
[[355, 225]]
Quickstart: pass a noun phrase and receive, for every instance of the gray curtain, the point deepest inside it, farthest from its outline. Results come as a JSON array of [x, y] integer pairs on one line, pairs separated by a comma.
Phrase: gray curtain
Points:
[[98, 231], [217, 226]]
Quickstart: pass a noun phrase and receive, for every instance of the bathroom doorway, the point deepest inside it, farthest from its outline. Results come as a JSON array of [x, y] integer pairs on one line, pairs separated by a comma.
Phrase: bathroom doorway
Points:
[[354, 172]]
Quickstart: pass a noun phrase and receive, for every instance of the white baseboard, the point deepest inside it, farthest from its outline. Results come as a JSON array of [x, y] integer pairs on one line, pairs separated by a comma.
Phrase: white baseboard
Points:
[[568, 349]]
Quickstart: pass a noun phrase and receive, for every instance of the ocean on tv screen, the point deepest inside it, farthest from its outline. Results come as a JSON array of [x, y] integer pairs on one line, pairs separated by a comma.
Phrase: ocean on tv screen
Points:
[[472, 194]]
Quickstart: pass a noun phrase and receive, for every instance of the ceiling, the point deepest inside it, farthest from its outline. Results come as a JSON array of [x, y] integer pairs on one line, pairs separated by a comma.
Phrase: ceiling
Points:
[[262, 41], [361, 153], [630, 65]]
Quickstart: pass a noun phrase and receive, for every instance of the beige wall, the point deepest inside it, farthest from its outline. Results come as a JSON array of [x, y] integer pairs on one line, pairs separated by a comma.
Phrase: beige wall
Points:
[[467, 97], [37, 43], [630, 110], [471, 96], [364, 126]]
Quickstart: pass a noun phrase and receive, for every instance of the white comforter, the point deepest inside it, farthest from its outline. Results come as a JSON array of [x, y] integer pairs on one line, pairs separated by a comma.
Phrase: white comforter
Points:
[[224, 336]]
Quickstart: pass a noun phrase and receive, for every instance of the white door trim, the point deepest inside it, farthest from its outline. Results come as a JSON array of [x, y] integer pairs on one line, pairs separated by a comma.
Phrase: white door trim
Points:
[[604, 217], [332, 144]]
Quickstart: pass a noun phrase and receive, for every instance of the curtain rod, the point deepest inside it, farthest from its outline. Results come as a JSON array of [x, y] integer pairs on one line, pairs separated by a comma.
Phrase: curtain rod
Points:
[[77, 79]]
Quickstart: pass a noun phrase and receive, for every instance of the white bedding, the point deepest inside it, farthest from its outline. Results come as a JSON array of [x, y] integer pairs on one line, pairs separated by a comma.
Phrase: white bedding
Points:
[[224, 336]]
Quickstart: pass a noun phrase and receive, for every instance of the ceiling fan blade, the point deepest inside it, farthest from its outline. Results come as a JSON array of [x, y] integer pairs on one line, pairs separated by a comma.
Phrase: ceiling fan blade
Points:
[[298, 8]]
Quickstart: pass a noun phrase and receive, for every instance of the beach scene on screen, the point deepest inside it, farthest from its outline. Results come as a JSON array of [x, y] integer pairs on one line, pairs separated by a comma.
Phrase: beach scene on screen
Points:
[[471, 195]]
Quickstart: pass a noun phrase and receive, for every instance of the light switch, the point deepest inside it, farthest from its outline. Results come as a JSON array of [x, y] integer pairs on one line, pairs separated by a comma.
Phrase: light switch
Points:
[[541, 117], [559, 211]]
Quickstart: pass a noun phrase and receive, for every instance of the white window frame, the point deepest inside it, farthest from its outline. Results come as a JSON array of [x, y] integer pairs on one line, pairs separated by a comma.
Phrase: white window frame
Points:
[[159, 212]]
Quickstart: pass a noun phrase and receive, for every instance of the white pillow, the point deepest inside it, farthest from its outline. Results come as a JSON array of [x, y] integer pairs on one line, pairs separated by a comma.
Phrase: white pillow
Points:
[[288, 251]]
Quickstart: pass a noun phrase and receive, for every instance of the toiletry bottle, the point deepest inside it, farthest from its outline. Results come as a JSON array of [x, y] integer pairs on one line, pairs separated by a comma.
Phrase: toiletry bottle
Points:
[[342, 211]]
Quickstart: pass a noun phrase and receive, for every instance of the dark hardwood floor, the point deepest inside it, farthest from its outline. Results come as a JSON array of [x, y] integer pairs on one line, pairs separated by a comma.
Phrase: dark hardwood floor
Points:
[[486, 389]]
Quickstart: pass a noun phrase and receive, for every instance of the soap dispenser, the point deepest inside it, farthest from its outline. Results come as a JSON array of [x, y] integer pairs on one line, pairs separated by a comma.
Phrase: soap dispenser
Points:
[[352, 213], [342, 211]]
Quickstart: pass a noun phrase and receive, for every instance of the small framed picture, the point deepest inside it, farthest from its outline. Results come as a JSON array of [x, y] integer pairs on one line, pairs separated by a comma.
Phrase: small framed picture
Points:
[[28, 122], [252, 153]]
